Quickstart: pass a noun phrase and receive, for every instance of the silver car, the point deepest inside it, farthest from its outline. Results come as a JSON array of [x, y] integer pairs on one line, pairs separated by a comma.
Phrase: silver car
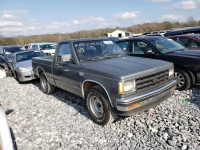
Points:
[[6, 142], [21, 65]]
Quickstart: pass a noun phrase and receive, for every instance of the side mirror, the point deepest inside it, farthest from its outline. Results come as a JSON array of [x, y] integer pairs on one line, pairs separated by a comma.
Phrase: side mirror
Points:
[[149, 52], [66, 58]]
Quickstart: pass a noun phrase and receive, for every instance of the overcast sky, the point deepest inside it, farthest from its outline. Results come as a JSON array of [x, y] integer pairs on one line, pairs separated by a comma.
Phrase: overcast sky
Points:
[[29, 17]]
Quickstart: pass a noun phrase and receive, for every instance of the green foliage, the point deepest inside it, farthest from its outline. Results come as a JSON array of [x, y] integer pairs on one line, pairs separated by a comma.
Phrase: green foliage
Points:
[[140, 28]]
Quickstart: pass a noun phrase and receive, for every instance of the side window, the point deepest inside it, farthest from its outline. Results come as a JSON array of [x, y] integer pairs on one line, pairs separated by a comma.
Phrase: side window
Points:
[[188, 42], [140, 47], [34, 47], [184, 41], [64, 53], [174, 38], [126, 46]]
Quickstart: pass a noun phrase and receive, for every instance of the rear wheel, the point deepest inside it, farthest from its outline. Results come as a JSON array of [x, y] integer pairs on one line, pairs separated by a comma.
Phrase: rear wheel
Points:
[[98, 106], [183, 79], [6, 70], [47, 88]]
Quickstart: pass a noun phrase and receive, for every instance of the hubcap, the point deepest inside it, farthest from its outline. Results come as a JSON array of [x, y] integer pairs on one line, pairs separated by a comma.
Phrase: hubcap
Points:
[[180, 79], [96, 106]]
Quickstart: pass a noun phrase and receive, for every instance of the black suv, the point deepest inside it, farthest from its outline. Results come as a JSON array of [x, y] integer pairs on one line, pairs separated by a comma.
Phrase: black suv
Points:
[[186, 62]]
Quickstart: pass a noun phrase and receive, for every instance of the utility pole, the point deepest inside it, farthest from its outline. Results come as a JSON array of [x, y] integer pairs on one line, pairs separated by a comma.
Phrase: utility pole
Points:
[[78, 30]]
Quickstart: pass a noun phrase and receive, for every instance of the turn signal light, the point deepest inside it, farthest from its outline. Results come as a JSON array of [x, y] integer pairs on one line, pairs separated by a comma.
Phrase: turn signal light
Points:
[[173, 88], [133, 106]]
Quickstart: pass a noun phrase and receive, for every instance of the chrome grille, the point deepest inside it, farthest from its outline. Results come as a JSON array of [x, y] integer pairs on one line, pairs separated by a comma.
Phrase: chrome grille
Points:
[[152, 81]]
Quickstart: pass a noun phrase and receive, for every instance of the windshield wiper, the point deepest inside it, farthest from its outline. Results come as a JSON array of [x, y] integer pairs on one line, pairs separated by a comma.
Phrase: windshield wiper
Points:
[[112, 56], [93, 59]]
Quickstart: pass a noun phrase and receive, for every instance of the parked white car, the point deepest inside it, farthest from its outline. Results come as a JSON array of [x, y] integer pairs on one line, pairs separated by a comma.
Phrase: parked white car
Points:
[[2, 74], [47, 48], [6, 142]]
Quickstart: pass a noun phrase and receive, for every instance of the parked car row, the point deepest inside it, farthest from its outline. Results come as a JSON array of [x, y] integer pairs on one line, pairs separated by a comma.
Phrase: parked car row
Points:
[[47, 48], [112, 75], [186, 62]]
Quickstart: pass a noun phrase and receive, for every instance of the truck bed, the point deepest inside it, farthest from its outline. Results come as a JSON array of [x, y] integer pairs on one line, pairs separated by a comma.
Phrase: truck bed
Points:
[[45, 63]]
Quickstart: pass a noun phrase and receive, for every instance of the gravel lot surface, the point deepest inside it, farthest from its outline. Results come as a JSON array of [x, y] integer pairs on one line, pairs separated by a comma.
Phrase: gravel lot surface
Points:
[[61, 121]]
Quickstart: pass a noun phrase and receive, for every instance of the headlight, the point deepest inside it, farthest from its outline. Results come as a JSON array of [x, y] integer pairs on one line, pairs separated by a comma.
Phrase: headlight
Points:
[[171, 72], [126, 87], [23, 70]]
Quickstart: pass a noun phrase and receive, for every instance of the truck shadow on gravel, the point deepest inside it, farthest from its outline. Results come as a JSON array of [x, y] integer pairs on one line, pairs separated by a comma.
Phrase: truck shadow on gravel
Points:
[[72, 100], [78, 103]]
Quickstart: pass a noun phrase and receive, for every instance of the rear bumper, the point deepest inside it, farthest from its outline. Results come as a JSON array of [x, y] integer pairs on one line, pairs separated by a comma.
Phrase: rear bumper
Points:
[[129, 106], [26, 76]]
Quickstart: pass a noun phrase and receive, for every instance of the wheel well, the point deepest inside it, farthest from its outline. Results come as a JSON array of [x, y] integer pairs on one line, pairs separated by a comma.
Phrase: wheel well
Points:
[[39, 71], [86, 86], [190, 73], [89, 84]]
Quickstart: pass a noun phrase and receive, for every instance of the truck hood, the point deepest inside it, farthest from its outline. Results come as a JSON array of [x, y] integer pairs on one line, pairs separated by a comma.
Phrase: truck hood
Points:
[[124, 67]]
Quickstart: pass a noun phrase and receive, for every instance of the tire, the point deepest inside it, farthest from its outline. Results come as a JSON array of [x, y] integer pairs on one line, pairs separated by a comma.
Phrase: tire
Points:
[[183, 79], [16, 77], [46, 87], [98, 106]]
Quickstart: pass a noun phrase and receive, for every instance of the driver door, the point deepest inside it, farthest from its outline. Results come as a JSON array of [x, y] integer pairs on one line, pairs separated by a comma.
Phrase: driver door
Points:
[[66, 72]]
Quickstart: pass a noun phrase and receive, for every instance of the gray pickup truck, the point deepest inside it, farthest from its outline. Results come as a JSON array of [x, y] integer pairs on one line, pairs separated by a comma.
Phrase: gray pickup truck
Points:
[[111, 82]]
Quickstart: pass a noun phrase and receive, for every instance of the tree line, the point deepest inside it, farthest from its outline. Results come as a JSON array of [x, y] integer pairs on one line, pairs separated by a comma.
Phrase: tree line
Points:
[[140, 28]]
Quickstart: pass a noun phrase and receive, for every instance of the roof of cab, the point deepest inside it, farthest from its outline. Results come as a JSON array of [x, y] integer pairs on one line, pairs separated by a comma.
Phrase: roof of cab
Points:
[[148, 38], [85, 39]]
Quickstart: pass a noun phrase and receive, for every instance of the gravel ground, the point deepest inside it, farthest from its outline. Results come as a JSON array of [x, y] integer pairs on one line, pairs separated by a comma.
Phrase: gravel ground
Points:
[[61, 121]]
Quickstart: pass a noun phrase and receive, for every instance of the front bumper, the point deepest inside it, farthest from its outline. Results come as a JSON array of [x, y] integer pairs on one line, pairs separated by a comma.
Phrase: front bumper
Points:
[[26, 76], [129, 106]]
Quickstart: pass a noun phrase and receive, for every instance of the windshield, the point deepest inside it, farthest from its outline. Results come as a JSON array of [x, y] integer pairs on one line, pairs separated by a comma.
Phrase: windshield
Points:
[[47, 46], [167, 45], [28, 56], [95, 50], [11, 50]]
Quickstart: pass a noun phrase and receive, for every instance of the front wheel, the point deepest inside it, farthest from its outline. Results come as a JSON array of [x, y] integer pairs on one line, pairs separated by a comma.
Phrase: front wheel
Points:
[[98, 106], [183, 79], [47, 88]]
